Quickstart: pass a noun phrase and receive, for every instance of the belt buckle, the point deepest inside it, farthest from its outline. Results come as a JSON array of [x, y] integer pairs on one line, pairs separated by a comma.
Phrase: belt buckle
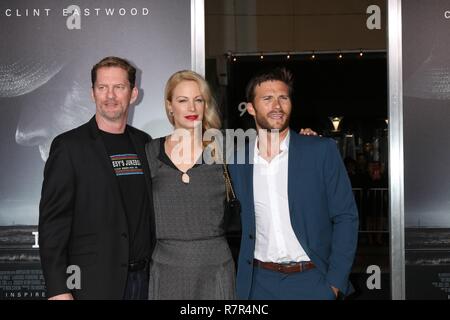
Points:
[[287, 267], [137, 265], [132, 266], [284, 267]]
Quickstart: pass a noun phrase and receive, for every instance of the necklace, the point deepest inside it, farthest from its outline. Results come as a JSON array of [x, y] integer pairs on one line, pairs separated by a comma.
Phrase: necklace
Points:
[[185, 177]]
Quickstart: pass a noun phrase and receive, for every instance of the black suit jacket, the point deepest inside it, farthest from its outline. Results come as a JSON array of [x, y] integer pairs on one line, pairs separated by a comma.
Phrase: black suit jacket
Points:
[[82, 220]]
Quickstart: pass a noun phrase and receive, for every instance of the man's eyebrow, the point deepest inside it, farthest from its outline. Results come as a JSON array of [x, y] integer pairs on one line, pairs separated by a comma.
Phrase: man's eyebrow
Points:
[[114, 84]]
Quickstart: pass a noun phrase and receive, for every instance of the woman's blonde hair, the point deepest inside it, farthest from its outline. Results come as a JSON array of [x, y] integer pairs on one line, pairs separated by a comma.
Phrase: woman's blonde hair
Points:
[[211, 118]]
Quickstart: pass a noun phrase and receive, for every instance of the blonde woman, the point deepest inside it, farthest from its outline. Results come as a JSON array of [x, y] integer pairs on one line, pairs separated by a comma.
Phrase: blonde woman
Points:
[[191, 259]]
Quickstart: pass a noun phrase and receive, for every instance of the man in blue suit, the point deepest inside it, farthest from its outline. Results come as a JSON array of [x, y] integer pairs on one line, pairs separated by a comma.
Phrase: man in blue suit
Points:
[[299, 218]]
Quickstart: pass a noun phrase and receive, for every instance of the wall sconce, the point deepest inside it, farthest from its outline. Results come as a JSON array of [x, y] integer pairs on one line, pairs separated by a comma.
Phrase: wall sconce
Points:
[[335, 121]]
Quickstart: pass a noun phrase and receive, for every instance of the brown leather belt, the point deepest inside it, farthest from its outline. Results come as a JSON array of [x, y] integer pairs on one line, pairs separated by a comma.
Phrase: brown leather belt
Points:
[[284, 267]]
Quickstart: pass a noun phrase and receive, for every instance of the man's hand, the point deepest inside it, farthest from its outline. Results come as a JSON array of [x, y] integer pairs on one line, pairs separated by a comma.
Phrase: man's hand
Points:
[[64, 296], [335, 290], [308, 132]]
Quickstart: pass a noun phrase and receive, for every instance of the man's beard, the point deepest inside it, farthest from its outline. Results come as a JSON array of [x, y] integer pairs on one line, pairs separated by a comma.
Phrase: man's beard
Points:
[[264, 123], [112, 115]]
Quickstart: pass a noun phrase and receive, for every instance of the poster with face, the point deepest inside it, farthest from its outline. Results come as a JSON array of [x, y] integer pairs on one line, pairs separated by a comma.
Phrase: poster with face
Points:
[[48, 50], [426, 115]]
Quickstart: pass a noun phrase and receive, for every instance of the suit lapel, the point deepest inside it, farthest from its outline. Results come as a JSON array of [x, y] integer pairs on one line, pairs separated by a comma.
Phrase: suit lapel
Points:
[[140, 150], [139, 146], [295, 185]]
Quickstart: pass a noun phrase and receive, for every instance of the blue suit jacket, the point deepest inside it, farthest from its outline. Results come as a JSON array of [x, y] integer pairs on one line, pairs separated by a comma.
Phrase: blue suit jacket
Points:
[[322, 209]]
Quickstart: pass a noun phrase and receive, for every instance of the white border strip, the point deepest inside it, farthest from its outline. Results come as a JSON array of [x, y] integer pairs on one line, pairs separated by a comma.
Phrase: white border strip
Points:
[[396, 163], [198, 36]]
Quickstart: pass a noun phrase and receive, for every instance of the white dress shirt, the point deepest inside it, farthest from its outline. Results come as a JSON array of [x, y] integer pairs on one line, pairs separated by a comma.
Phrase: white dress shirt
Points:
[[275, 238]]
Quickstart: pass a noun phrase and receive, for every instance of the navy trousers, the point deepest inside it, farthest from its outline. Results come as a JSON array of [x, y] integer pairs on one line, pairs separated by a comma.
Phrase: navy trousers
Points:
[[306, 285]]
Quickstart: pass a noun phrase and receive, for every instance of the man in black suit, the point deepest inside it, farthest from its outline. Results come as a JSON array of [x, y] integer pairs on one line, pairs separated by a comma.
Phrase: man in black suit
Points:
[[96, 203]]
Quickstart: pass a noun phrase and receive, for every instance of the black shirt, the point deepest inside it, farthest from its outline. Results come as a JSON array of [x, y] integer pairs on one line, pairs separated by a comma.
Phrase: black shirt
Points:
[[130, 175]]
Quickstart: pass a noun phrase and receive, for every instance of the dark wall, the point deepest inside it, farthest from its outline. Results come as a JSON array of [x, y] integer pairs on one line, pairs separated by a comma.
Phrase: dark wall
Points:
[[354, 87]]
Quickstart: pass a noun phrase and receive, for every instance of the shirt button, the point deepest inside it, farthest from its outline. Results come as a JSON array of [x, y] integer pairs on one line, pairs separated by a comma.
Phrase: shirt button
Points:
[[249, 262], [124, 235], [251, 237]]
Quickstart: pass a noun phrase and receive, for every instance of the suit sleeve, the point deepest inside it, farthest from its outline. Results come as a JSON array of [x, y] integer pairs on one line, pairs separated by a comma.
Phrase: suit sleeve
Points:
[[344, 218], [55, 217], [148, 138]]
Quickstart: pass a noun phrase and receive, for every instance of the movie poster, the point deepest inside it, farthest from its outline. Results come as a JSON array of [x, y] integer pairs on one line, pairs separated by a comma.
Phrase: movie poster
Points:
[[426, 105], [48, 50]]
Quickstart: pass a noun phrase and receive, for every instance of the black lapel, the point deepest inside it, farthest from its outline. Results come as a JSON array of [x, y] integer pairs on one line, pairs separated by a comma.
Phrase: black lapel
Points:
[[139, 146]]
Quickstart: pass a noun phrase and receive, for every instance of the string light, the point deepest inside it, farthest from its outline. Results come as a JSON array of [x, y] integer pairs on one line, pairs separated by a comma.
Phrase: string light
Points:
[[287, 55]]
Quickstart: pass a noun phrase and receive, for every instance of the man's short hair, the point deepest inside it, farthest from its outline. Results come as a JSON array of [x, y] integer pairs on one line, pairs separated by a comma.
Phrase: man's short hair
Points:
[[276, 74], [115, 62]]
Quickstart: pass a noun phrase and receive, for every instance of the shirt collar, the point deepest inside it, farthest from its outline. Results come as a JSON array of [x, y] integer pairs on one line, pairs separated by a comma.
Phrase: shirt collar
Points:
[[284, 145]]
